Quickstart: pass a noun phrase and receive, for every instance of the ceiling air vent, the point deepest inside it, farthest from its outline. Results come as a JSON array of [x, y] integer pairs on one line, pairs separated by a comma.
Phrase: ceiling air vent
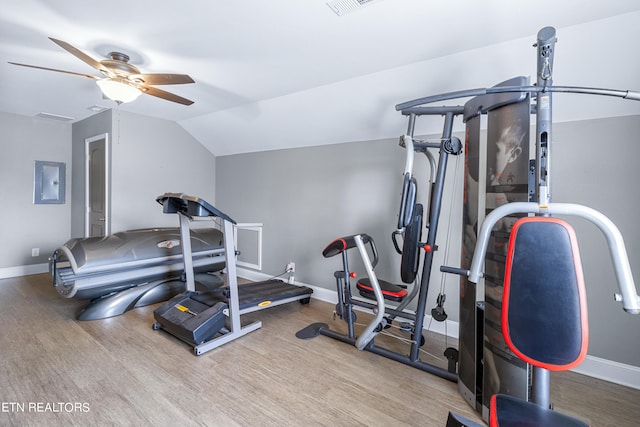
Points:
[[57, 117], [97, 108], [342, 7]]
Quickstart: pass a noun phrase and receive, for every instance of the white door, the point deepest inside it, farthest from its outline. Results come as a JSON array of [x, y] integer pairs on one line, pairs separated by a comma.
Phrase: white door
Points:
[[97, 186]]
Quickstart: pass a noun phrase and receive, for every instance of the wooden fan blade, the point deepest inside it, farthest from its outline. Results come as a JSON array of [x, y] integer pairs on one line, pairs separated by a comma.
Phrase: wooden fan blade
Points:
[[80, 55], [149, 90], [56, 70], [161, 79]]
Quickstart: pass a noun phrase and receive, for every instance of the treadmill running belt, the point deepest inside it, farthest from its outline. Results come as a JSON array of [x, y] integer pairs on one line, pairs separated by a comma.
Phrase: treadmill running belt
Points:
[[256, 294]]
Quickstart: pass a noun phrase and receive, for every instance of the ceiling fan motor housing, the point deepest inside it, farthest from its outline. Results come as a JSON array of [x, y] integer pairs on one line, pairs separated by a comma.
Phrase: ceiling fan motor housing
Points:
[[119, 65]]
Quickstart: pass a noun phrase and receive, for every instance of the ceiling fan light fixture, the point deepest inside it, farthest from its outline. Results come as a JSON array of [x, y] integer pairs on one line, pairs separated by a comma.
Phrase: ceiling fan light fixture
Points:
[[123, 82], [118, 90]]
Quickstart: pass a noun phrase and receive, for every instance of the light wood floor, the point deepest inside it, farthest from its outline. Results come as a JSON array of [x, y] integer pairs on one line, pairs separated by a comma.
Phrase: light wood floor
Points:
[[56, 371]]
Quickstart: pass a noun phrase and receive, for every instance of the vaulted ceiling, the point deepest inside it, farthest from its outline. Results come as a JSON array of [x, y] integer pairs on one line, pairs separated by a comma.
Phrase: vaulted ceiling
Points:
[[290, 73]]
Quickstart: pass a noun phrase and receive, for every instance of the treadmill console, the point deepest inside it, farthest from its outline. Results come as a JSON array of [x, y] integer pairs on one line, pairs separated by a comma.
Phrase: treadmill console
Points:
[[190, 206]]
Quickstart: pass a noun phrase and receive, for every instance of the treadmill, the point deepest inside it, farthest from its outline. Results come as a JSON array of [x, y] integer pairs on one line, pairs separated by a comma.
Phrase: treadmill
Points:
[[209, 319]]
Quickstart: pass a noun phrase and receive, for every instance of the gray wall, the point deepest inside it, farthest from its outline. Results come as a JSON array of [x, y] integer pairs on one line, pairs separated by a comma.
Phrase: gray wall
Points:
[[24, 225], [149, 156], [95, 125], [307, 197], [596, 164]]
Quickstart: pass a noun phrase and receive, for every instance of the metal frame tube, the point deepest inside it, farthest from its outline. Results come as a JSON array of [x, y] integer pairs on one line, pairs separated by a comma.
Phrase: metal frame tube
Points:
[[541, 387], [628, 295], [381, 351], [370, 331], [414, 106], [346, 301], [434, 216], [187, 256], [544, 103]]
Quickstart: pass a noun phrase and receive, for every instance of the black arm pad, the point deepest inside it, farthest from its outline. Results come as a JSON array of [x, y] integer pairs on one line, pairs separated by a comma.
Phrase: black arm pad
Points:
[[342, 244]]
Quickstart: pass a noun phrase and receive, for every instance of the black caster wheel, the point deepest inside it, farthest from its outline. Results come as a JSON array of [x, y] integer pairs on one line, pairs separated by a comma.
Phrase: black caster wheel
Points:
[[422, 339]]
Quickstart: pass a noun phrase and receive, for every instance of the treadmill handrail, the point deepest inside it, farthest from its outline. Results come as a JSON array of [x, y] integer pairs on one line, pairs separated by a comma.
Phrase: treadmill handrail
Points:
[[190, 206]]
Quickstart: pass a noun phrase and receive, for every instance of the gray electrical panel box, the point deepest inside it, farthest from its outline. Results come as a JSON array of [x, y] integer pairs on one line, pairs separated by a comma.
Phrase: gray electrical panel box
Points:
[[49, 182]]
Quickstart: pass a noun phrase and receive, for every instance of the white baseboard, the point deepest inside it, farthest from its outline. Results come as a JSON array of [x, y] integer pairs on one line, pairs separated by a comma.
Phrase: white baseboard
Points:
[[607, 370], [23, 270]]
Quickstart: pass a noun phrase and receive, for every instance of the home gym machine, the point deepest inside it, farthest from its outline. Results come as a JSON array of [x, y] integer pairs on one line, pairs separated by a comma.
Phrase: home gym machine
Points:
[[506, 190], [200, 317], [376, 292]]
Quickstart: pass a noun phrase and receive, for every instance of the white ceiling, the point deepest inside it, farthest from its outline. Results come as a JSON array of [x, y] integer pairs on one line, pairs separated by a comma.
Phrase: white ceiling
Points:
[[288, 73]]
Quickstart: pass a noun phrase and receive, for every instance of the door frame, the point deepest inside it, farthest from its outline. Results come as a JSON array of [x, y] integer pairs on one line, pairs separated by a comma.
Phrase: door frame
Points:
[[107, 176]]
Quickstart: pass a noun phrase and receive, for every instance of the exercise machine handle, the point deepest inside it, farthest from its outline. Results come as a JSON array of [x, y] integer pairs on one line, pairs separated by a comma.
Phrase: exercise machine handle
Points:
[[408, 200], [368, 239], [628, 295], [409, 185], [454, 270], [395, 240]]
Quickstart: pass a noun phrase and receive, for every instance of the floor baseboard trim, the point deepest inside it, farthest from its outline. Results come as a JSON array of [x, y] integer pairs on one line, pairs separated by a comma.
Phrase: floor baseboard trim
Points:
[[608, 370], [23, 270]]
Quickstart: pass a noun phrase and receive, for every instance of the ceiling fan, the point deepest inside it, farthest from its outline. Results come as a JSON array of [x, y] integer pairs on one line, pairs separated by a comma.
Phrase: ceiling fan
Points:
[[121, 81]]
